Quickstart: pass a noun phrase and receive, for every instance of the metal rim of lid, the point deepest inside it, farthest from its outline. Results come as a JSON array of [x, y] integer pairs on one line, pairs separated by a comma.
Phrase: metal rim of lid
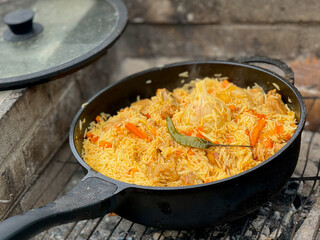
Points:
[[74, 64]]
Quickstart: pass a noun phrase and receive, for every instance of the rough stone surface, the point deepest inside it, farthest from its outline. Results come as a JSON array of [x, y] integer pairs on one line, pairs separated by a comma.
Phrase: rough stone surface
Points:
[[167, 11], [96, 76], [51, 131], [219, 11], [307, 72], [273, 11], [220, 29], [133, 65], [310, 227], [12, 181], [14, 115], [34, 122], [225, 41]]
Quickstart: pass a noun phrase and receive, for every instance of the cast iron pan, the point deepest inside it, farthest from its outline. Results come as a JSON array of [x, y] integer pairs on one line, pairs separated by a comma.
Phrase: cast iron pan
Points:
[[186, 207]]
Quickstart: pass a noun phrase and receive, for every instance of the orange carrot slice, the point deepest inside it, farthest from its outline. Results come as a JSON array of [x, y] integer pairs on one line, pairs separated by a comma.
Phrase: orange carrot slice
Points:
[[267, 144], [256, 132], [232, 107], [89, 135], [190, 152], [94, 139], [133, 128], [225, 83], [105, 144]]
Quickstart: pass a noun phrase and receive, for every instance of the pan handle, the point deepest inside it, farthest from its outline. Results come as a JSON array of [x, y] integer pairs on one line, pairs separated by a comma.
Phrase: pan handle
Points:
[[91, 198], [288, 72]]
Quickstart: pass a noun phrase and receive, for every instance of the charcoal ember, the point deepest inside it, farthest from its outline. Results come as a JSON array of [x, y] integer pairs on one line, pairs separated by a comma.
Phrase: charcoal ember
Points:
[[132, 235], [273, 223], [122, 235], [274, 234], [291, 187], [156, 235], [289, 194], [308, 202], [287, 217], [217, 235], [281, 203], [182, 236], [265, 231], [152, 233], [237, 237], [263, 237], [257, 223], [248, 233], [247, 238], [200, 234], [236, 227], [168, 238], [304, 214], [305, 188], [276, 216], [264, 211], [297, 202]]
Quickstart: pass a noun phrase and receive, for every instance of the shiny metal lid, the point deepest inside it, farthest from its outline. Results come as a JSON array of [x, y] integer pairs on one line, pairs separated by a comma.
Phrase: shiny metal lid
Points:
[[41, 40]]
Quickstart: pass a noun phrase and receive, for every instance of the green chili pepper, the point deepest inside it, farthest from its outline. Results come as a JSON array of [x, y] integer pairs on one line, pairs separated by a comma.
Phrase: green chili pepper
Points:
[[192, 141]]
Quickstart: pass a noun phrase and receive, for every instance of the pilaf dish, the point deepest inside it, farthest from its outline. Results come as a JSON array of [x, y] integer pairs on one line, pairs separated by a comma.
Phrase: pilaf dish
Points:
[[173, 138]]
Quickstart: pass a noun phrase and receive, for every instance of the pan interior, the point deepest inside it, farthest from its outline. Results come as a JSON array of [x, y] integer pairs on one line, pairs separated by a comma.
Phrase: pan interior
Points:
[[145, 84]]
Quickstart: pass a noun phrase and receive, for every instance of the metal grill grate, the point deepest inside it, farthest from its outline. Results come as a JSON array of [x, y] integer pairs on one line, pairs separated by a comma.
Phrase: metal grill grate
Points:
[[279, 219]]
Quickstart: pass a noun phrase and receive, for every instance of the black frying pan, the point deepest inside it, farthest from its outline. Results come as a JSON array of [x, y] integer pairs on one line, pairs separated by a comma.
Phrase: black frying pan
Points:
[[187, 207]]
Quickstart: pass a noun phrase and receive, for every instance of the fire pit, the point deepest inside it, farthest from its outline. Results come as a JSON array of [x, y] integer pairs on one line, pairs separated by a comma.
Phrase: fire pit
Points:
[[281, 218], [286, 216]]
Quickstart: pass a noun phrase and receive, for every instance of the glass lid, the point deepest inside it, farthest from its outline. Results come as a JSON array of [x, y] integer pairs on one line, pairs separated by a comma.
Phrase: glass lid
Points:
[[41, 40]]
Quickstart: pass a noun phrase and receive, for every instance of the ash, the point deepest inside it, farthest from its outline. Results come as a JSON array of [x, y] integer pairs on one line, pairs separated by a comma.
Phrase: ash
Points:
[[279, 219]]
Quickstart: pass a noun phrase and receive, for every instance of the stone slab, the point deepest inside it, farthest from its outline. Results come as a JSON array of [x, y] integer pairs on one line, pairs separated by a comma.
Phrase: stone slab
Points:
[[45, 179], [34, 122], [31, 151]]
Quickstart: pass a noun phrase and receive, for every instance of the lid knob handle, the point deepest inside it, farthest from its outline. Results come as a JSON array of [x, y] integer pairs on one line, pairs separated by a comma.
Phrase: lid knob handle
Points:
[[20, 21], [21, 26]]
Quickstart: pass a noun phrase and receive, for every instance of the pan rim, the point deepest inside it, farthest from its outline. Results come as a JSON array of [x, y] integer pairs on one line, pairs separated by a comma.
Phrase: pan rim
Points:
[[124, 185]]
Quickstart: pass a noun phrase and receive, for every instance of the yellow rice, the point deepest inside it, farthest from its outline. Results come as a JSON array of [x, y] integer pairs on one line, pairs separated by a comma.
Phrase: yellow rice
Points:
[[211, 108]]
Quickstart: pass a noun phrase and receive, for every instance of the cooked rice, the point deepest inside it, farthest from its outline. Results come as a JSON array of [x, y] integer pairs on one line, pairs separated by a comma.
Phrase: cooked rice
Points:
[[211, 108]]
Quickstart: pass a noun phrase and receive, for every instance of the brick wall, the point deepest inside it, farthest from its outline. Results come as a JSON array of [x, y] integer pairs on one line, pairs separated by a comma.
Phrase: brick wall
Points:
[[282, 29]]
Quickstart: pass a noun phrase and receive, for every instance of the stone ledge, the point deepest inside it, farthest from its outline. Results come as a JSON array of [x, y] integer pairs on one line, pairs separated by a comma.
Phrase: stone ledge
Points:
[[35, 142], [34, 122]]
